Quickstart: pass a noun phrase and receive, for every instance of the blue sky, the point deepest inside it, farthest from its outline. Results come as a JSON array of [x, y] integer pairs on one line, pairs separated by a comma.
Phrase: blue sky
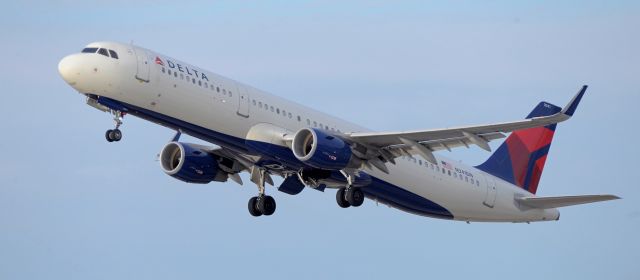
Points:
[[73, 206]]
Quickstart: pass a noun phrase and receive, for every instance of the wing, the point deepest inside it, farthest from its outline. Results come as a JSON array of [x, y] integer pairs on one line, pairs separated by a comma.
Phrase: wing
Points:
[[423, 142], [562, 201]]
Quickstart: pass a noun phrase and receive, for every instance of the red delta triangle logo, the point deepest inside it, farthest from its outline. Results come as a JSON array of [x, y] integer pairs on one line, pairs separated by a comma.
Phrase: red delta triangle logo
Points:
[[159, 61]]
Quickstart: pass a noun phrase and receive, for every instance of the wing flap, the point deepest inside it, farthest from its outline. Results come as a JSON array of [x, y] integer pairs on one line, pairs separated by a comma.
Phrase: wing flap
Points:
[[562, 201]]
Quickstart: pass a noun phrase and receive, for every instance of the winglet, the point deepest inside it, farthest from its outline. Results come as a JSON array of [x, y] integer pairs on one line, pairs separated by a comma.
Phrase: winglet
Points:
[[573, 104]]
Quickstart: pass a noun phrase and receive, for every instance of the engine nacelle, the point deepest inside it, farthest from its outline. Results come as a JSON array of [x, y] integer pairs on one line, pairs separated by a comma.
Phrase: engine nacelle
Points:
[[191, 164], [319, 149]]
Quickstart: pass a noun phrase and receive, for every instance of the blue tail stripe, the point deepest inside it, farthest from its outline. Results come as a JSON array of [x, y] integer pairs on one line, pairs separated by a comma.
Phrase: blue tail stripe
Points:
[[535, 156]]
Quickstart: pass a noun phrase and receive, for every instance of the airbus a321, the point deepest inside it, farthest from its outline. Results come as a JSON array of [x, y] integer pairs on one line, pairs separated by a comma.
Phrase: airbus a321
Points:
[[264, 135]]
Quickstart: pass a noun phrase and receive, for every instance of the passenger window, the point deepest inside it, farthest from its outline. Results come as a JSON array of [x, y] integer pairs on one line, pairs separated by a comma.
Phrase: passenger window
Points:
[[181, 76], [113, 54], [230, 94], [199, 83], [169, 71], [299, 119], [193, 80], [163, 70], [103, 52], [207, 86], [260, 104], [315, 124], [478, 183], [254, 102], [175, 74], [272, 110], [218, 89], [466, 179], [420, 161], [278, 110], [89, 50], [308, 122], [290, 116]]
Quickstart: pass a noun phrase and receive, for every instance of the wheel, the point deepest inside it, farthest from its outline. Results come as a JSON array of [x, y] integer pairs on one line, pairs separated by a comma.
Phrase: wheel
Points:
[[108, 135], [340, 198], [354, 196], [115, 135], [267, 205], [253, 207]]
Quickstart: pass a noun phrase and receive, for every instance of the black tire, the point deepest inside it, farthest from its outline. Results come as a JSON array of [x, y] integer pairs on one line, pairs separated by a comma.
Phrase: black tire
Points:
[[253, 207], [340, 198], [107, 135], [355, 196], [116, 135], [267, 205]]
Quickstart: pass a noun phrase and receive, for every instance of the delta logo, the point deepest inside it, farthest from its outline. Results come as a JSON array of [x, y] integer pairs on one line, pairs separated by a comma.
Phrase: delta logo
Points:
[[182, 68]]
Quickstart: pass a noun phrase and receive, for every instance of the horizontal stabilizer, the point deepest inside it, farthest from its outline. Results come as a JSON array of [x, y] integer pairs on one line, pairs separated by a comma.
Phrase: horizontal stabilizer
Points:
[[562, 201]]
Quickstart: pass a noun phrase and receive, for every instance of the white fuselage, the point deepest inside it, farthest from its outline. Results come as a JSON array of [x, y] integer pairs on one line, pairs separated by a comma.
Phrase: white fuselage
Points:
[[230, 108]]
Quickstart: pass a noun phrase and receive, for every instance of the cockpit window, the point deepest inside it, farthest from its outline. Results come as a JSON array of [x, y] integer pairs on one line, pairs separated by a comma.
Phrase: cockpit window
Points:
[[113, 54], [103, 52], [90, 50]]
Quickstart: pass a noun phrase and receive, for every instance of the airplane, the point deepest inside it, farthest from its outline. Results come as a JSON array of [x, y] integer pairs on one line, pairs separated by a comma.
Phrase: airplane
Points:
[[264, 135]]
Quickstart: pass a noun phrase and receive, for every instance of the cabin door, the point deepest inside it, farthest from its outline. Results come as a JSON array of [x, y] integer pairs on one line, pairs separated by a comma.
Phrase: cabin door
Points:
[[490, 197], [142, 71]]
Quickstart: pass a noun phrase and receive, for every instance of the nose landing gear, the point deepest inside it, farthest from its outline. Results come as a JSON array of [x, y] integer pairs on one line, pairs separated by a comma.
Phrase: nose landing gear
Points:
[[115, 135]]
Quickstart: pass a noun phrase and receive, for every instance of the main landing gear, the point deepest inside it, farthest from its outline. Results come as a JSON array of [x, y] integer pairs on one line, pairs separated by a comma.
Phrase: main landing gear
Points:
[[349, 196], [261, 204], [115, 135]]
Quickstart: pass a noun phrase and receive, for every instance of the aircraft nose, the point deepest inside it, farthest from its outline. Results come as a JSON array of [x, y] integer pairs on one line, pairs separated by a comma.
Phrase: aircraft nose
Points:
[[69, 69]]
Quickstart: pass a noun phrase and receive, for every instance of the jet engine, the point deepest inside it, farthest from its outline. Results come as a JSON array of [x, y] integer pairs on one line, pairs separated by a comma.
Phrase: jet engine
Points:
[[190, 163], [319, 149]]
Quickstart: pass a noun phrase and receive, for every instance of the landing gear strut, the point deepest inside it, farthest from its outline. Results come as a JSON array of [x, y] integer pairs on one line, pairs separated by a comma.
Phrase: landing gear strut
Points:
[[349, 196], [261, 204], [115, 135]]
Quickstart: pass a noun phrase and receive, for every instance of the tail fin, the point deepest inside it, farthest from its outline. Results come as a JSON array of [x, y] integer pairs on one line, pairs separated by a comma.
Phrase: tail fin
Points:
[[521, 158]]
